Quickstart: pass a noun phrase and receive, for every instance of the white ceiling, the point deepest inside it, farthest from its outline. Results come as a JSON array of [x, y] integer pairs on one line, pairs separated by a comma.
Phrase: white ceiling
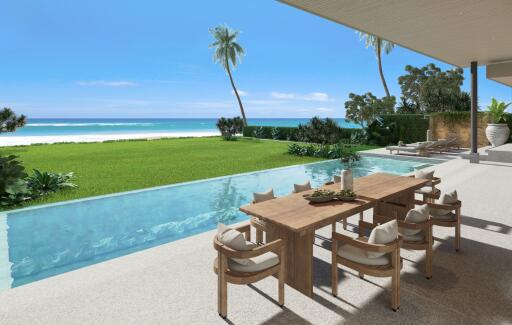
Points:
[[454, 31]]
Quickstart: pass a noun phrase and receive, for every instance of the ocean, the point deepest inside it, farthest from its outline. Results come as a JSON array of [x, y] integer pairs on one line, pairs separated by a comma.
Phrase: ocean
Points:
[[67, 127]]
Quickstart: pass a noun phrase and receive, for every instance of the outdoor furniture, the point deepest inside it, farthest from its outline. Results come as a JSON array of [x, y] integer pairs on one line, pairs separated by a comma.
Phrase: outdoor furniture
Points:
[[443, 145], [429, 192], [416, 232], [337, 179], [356, 253], [421, 149], [247, 266], [257, 223], [295, 220], [446, 213], [297, 188]]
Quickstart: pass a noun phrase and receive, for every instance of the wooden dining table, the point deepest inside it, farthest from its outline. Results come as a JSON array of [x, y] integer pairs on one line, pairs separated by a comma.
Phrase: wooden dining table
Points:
[[295, 219]]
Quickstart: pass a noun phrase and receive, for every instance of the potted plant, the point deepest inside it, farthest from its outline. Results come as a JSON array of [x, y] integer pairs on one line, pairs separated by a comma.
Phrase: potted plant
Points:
[[497, 131]]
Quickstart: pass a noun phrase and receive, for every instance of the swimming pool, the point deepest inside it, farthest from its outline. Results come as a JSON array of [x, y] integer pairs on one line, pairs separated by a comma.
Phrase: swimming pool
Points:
[[39, 242]]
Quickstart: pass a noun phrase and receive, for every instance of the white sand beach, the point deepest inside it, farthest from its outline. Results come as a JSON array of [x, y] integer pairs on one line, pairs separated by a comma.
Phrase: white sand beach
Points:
[[27, 140]]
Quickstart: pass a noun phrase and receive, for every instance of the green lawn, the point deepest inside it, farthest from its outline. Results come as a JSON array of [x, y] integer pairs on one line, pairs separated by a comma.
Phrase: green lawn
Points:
[[102, 168]]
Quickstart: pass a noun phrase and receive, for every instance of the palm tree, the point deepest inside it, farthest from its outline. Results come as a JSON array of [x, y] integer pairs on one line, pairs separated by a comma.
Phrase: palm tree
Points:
[[227, 52], [379, 45]]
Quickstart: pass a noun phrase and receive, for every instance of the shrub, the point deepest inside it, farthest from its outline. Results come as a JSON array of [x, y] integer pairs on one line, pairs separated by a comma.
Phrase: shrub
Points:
[[321, 131], [346, 152], [391, 128], [41, 183], [13, 188], [229, 127]]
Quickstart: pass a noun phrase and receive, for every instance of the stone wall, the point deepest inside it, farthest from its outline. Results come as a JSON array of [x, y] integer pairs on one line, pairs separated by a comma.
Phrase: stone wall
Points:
[[443, 127]]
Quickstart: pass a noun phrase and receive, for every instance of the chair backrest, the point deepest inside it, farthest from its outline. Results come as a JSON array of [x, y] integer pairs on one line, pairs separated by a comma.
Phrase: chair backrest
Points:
[[297, 188], [263, 196]]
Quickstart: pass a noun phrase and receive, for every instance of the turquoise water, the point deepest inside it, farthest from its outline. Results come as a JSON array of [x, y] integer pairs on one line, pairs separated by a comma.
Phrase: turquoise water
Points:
[[39, 242], [42, 127]]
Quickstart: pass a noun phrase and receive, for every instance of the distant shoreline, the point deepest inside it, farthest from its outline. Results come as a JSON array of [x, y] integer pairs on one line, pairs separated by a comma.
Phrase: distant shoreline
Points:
[[49, 139]]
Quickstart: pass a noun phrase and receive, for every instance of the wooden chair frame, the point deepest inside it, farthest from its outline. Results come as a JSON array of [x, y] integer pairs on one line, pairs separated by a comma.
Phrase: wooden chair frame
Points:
[[425, 245], [392, 270], [225, 275], [435, 193], [449, 223]]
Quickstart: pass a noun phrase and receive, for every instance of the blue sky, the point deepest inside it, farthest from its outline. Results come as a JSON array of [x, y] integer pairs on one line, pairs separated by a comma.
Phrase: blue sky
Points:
[[151, 59]]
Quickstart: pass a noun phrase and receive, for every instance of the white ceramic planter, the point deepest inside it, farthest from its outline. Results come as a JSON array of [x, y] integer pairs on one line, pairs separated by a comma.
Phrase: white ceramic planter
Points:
[[497, 134]]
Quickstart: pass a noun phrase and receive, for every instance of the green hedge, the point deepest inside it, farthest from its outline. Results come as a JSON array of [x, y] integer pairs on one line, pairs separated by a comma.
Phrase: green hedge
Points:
[[392, 128], [286, 133]]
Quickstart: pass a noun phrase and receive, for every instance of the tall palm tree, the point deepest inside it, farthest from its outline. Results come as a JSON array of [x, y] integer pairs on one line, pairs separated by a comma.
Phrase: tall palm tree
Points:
[[228, 52], [379, 45]]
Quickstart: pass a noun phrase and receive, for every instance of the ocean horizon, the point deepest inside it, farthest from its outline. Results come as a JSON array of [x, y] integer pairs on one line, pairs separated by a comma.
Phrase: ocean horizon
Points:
[[110, 126]]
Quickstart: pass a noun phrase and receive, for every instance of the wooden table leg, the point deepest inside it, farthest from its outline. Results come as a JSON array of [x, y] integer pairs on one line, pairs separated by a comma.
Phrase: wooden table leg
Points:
[[299, 257], [397, 206]]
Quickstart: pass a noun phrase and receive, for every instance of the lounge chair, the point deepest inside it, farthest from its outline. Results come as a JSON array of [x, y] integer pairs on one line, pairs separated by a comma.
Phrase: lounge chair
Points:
[[239, 265], [379, 257], [421, 148], [444, 145]]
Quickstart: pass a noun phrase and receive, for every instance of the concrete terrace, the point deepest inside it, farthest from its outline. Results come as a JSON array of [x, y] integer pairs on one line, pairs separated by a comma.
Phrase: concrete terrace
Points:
[[175, 283]]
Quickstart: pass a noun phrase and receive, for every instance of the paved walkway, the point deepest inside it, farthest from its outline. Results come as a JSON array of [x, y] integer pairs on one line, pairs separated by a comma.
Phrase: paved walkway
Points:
[[175, 284]]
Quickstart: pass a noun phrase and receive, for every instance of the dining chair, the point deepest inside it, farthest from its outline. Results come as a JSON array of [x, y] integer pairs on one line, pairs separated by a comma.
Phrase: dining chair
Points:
[[377, 255], [429, 192], [241, 262], [446, 213], [297, 188], [257, 223], [416, 232]]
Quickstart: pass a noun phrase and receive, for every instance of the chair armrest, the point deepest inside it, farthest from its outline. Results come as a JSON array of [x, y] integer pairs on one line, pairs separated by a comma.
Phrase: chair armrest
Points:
[[379, 248], [366, 225], [452, 206], [436, 181], [257, 251], [246, 230]]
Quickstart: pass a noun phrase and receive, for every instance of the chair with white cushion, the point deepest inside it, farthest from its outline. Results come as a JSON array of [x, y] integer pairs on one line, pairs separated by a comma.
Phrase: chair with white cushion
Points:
[[446, 213], [429, 192], [257, 223], [297, 188], [377, 255], [416, 232], [241, 262]]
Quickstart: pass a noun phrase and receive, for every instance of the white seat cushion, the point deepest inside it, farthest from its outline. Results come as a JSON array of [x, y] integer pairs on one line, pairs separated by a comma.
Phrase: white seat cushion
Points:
[[358, 255], [416, 237], [450, 216], [264, 196], [426, 190], [383, 234], [297, 188], [447, 198], [416, 215], [254, 264]]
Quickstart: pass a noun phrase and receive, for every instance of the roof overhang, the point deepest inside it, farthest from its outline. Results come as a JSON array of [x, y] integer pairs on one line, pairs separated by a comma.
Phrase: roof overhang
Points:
[[453, 31]]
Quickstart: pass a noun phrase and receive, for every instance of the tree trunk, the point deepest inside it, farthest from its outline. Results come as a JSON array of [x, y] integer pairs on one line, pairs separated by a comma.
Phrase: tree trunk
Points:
[[379, 59], [236, 94]]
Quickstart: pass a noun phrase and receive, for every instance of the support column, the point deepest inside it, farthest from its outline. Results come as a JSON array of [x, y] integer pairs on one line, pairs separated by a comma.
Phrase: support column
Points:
[[473, 155]]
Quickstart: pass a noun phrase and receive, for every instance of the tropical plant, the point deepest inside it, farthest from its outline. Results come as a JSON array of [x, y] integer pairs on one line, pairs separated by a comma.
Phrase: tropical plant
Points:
[[496, 111], [379, 45], [41, 183], [13, 188], [429, 89], [230, 127], [366, 108], [317, 130], [348, 155], [346, 152], [228, 52], [9, 121]]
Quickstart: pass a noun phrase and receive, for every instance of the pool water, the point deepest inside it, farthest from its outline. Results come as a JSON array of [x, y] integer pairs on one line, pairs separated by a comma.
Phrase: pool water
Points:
[[39, 242]]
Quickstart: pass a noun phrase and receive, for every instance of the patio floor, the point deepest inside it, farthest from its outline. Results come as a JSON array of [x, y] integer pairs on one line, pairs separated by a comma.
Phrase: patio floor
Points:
[[175, 283]]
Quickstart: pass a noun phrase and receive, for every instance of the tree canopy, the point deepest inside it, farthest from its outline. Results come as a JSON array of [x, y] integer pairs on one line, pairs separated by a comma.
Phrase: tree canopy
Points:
[[430, 89], [9, 121], [366, 108]]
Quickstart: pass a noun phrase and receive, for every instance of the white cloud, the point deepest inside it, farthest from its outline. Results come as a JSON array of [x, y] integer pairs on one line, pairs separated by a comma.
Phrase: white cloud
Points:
[[242, 93], [104, 83], [314, 96], [324, 109]]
